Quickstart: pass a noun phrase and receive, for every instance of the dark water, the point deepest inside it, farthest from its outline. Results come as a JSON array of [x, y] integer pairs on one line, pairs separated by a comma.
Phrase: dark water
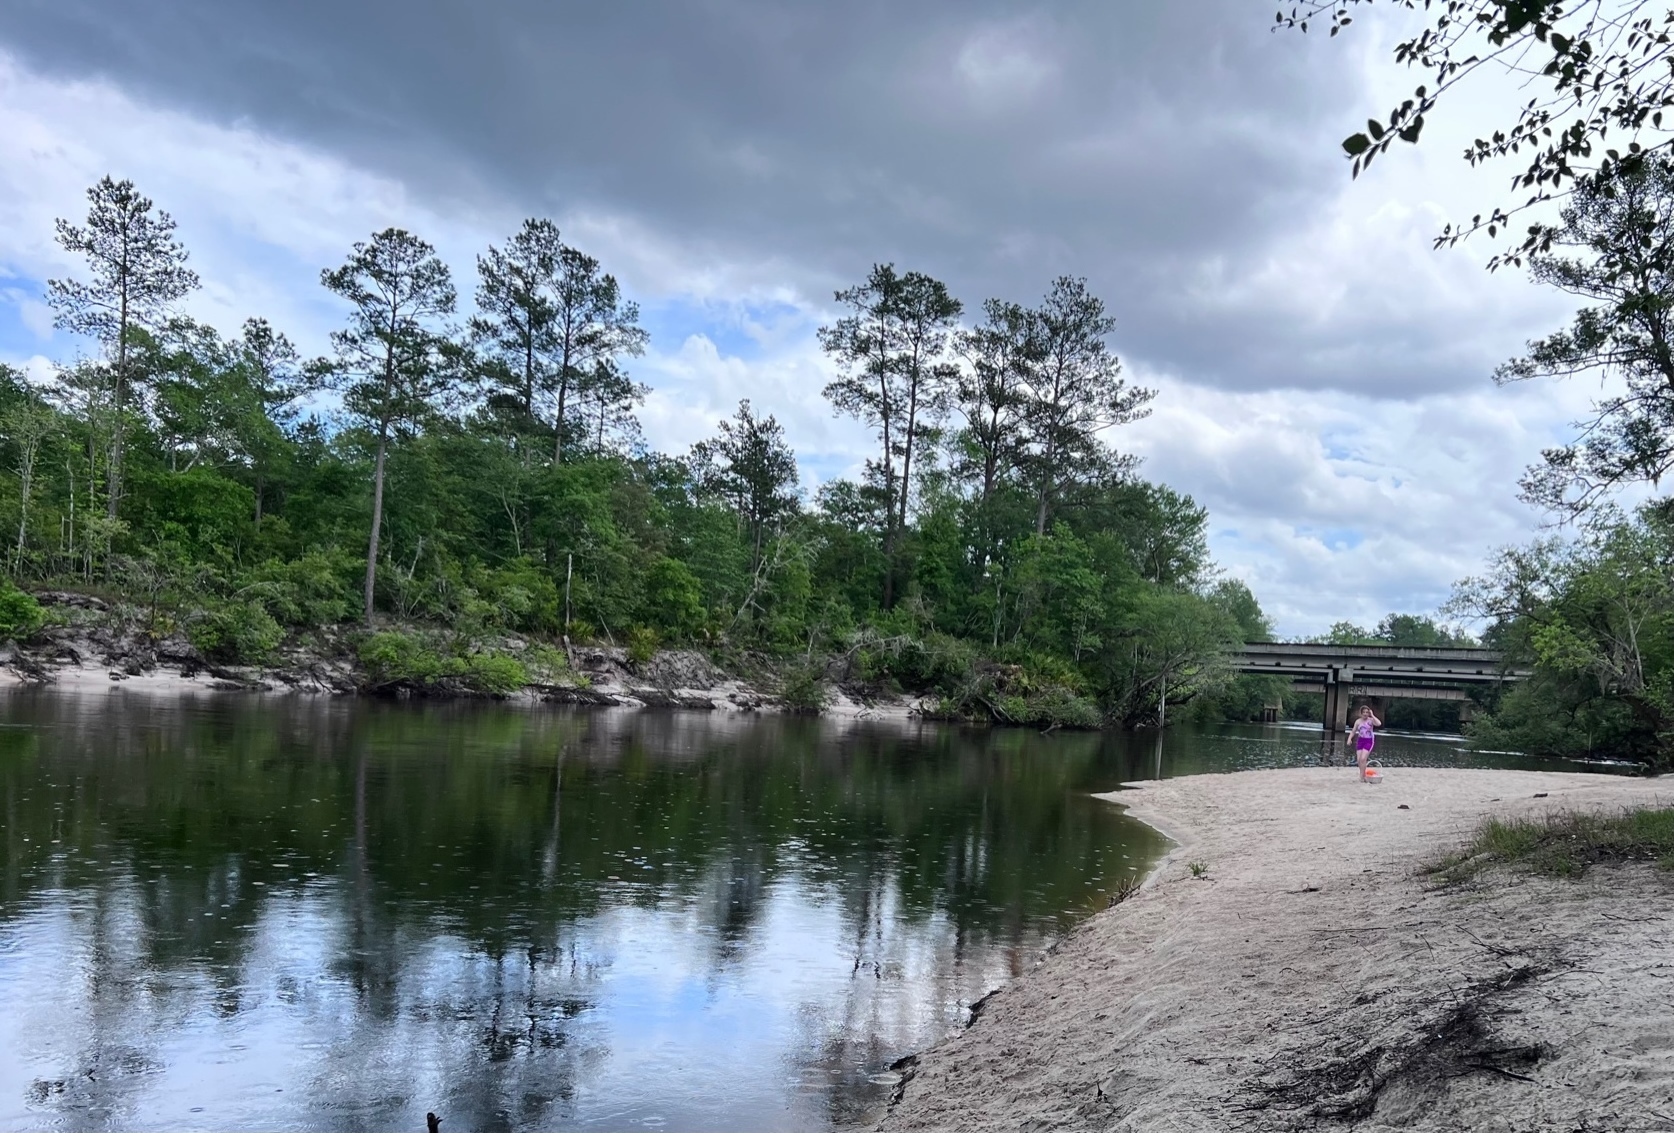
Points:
[[304, 913]]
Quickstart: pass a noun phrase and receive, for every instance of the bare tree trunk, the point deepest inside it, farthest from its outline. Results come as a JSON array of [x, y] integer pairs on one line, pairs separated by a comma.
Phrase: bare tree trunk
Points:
[[889, 488], [907, 447], [28, 475], [1045, 490], [114, 483], [70, 469], [528, 375], [558, 425], [377, 519]]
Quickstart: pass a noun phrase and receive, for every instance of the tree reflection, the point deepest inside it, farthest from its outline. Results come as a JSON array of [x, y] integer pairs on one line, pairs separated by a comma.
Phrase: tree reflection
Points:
[[433, 901]]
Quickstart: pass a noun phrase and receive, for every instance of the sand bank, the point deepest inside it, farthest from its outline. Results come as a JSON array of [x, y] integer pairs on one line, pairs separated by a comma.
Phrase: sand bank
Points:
[[1314, 980]]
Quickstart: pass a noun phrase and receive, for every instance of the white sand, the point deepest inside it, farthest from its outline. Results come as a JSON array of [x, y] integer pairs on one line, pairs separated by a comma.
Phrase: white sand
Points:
[[96, 678], [1315, 980]]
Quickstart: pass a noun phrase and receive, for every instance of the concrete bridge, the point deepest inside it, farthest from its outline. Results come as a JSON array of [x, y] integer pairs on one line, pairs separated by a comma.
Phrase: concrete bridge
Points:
[[1351, 675]]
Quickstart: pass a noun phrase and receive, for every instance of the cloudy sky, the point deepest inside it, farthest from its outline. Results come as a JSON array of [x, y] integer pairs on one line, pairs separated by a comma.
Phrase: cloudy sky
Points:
[[1324, 373]]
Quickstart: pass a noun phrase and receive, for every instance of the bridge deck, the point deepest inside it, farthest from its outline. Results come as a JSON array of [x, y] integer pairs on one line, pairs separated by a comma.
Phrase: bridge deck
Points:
[[1383, 663]]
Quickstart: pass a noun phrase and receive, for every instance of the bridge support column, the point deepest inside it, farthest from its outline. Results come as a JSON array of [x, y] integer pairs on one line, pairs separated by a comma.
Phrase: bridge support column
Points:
[[1335, 718], [1333, 706]]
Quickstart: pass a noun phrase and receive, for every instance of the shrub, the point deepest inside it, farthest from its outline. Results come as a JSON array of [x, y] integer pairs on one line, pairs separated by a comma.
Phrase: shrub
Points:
[[394, 659], [497, 674], [548, 665], [242, 633], [20, 614], [524, 597], [642, 644], [314, 590], [802, 688], [935, 661]]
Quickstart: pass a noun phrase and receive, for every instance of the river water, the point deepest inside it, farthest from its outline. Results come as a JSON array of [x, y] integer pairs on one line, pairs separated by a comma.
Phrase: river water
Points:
[[300, 913]]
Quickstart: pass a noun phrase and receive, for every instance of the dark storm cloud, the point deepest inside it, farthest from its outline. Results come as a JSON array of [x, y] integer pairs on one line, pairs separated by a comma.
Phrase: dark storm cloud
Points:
[[1139, 144]]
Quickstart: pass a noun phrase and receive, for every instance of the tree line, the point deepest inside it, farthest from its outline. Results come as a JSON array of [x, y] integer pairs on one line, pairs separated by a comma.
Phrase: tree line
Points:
[[481, 472]]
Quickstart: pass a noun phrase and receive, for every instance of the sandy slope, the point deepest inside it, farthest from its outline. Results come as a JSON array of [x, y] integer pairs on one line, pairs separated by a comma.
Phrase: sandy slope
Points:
[[1315, 982]]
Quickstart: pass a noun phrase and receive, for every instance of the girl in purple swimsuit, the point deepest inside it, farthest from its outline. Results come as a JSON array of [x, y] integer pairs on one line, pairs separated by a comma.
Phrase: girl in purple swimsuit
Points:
[[1365, 735]]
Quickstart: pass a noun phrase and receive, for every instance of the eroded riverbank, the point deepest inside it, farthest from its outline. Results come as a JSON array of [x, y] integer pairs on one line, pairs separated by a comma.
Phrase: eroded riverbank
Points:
[[89, 649], [1313, 978]]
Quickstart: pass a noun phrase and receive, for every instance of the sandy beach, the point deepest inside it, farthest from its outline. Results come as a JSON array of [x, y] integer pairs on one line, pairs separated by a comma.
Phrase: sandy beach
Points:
[[1314, 978]]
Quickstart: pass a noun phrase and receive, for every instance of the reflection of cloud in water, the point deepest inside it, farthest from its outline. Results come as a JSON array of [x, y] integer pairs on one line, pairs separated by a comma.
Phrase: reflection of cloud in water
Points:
[[341, 915]]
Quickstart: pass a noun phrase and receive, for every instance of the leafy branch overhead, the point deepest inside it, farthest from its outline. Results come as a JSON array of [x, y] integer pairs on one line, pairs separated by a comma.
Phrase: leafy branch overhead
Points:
[[1601, 73]]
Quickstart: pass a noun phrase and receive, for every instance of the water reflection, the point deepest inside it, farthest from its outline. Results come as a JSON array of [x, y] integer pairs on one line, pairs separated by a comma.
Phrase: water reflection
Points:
[[304, 913], [309, 913]]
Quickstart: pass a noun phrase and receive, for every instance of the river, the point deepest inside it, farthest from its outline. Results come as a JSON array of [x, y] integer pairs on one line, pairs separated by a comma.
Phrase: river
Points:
[[231, 912]]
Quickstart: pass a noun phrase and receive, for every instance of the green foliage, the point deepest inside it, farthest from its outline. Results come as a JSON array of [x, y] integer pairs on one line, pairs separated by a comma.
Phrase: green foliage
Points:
[[1398, 629], [20, 614], [802, 688], [241, 633], [673, 598], [643, 643], [1242, 699], [316, 589], [1584, 78], [496, 674], [1235, 598], [425, 663], [1014, 568], [1595, 618], [546, 665], [393, 657]]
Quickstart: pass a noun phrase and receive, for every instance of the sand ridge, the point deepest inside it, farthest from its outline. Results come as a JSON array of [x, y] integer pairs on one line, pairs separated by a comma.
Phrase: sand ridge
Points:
[[1315, 979]]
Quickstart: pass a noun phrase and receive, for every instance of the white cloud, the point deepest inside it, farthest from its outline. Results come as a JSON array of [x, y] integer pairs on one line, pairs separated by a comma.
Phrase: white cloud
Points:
[[35, 315], [259, 216], [696, 386], [1330, 504], [1336, 506]]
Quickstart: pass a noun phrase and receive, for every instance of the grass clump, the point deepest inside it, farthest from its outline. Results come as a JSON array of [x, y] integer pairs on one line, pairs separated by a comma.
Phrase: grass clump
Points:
[[1565, 844]]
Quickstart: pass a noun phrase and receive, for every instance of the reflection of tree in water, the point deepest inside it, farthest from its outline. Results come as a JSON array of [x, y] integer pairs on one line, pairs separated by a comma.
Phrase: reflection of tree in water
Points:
[[105, 1065], [502, 1042], [453, 862], [731, 902]]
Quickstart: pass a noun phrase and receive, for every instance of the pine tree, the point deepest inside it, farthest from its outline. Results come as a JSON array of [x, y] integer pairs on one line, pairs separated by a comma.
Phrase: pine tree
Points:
[[393, 360], [138, 273]]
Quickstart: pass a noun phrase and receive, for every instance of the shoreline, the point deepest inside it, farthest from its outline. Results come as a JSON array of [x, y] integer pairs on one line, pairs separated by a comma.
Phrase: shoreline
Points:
[[671, 679], [1314, 979]]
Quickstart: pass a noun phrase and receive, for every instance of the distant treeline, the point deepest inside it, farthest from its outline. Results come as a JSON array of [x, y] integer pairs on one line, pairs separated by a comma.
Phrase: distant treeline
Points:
[[481, 472]]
